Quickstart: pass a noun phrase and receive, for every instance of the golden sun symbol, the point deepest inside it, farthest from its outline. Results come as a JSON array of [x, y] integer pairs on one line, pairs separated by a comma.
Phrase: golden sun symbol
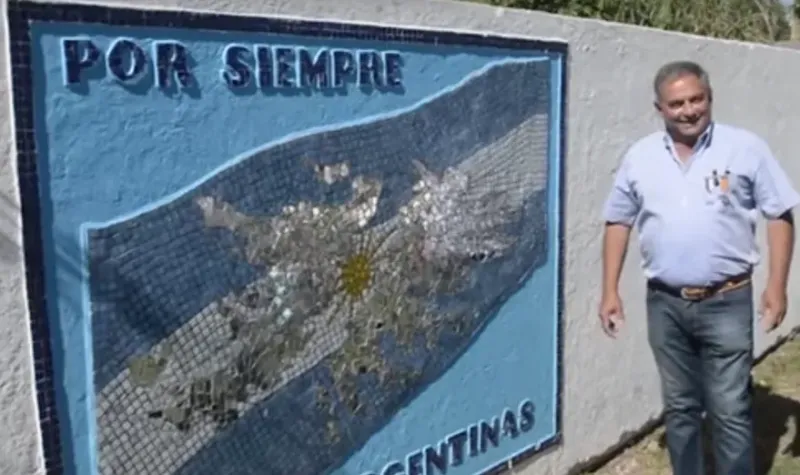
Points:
[[358, 271], [355, 275]]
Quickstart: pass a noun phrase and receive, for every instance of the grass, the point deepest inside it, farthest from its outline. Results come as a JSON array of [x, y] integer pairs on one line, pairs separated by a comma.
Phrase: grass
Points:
[[777, 424]]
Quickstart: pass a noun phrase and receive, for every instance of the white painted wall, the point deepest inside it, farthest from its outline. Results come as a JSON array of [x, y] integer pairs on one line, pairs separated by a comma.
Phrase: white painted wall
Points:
[[610, 388]]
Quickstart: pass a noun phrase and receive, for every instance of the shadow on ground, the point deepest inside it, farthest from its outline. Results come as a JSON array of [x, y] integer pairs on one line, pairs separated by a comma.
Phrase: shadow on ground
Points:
[[774, 417]]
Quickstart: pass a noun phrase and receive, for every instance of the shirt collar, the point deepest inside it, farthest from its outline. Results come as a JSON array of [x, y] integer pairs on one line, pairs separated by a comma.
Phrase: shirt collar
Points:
[[703, 142]]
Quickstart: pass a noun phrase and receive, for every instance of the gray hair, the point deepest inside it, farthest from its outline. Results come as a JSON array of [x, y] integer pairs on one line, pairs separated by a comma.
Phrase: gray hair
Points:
[[678, 69]]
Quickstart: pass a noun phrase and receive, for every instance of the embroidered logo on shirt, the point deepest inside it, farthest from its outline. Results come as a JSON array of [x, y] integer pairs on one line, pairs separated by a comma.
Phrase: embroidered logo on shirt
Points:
[[724, 184], [718, 185]]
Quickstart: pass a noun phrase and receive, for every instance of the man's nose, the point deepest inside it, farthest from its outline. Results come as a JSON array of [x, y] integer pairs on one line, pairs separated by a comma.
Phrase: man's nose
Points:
[[688, 111]]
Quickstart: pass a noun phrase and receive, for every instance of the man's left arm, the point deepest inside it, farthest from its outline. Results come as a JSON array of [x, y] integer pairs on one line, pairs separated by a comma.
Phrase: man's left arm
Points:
[[780, 241], [776, 197]]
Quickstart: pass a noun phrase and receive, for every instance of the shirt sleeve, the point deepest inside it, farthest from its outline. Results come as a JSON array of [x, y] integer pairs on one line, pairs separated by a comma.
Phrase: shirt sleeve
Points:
[[622, 205], [774, 193]]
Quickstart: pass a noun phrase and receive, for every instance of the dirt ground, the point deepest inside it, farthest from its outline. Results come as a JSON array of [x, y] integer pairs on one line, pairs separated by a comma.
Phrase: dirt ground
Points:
[[777, 421]]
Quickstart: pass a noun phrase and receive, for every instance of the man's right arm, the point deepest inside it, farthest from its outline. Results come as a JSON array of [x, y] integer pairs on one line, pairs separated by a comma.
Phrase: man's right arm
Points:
[[615, 246], [621, 209]]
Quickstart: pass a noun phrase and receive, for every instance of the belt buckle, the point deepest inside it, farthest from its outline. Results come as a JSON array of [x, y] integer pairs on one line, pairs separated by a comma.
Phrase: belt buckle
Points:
[[693, 294]]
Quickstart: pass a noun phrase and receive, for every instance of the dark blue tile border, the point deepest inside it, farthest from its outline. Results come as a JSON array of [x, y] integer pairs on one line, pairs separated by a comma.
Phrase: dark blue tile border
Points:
[[21, 14]]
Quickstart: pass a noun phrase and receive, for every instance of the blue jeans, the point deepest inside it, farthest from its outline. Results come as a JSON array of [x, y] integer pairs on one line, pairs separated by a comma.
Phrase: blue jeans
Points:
[[704, 354]]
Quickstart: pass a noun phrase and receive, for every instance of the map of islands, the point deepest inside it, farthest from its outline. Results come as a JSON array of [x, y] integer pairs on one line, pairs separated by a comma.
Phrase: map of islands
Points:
[[276, 315]]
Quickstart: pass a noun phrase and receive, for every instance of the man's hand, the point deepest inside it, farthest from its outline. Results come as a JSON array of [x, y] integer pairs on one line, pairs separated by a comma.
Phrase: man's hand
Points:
[[615, 243], [780, 240], [611, 315], [773, 307]]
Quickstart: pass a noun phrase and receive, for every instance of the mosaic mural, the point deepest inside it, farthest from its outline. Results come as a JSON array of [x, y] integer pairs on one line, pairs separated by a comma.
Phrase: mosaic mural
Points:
[[277, 247]]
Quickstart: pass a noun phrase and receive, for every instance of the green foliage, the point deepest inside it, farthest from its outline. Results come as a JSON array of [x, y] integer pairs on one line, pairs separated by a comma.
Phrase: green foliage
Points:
[[749, 20]]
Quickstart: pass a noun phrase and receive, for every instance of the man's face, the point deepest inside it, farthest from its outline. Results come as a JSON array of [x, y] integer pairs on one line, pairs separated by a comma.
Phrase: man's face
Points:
[[685, 105]]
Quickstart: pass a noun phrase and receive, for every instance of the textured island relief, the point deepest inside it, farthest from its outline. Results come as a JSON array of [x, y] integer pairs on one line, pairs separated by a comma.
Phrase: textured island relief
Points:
[[278, 314]]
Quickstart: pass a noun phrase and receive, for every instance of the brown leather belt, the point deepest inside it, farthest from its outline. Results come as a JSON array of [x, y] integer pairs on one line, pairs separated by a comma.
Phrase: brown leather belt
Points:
[[695, 294]]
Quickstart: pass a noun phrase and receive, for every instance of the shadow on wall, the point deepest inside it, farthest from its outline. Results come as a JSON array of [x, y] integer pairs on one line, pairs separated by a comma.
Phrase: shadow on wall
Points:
[[44, 346], [773, 414], [9, 229], [10, 248]]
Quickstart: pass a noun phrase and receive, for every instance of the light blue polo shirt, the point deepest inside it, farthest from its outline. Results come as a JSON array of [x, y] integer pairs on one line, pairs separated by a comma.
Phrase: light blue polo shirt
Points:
[[697, 221]]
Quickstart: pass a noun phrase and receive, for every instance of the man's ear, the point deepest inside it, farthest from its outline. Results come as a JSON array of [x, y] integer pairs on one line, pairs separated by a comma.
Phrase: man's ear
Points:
[[710, 96], [657, 106]]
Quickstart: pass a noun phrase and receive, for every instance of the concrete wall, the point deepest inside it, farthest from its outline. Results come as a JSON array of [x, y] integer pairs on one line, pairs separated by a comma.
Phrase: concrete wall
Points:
[[609, 388]]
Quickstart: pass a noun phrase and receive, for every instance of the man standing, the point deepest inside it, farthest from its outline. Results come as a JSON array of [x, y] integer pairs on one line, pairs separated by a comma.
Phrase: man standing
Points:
[[694, 191]]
